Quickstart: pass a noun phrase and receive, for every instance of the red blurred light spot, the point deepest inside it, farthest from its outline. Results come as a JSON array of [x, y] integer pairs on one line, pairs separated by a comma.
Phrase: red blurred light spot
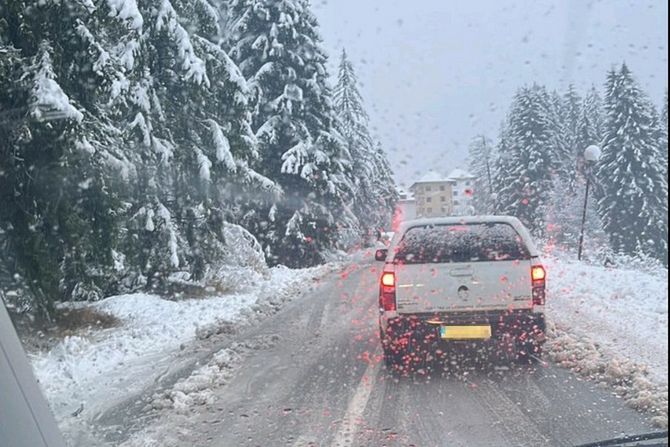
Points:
[[388, 279], [538, 273]]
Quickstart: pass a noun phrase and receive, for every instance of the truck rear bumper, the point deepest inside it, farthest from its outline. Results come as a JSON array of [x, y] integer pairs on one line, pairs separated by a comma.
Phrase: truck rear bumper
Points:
[[527, 326]]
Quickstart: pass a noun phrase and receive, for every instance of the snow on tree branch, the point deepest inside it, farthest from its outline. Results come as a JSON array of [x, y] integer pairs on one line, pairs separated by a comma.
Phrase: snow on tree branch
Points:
[[48, 100], [127, 10]]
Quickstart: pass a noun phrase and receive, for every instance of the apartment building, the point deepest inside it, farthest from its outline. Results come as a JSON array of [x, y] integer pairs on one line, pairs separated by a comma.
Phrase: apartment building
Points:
[[433, 194], [462, 191]]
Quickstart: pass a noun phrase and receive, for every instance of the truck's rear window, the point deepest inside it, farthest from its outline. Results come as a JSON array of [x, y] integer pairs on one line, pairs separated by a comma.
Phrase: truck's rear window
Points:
[[461, 243]]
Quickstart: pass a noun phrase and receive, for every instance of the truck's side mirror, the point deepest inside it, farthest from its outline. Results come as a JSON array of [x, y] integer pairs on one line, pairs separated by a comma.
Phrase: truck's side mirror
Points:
[[381, 254]]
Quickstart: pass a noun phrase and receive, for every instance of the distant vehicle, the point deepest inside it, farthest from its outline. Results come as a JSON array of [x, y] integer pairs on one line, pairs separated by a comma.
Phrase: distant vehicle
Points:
[[386, 237], [461, 280]]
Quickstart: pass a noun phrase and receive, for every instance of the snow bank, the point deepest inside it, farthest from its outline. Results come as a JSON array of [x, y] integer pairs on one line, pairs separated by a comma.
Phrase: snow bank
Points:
[[624, 311], [84, 375], [198, 388], [80, 370], [611, 325]]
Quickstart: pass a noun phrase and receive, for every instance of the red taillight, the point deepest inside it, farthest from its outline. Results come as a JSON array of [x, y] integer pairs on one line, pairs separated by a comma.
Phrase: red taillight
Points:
[[387, 292], [538, 276], [538, 273], [388, 279]]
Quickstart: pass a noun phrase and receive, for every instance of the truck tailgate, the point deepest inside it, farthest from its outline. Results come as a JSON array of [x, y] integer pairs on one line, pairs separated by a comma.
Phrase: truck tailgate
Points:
[[498, 285]]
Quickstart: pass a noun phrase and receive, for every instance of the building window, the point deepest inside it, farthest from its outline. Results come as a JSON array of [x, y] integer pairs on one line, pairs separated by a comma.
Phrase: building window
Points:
[[443, 198], [467, 183], [455, 193], [429, 199], [456, 202], [442, 188], [428, 188]]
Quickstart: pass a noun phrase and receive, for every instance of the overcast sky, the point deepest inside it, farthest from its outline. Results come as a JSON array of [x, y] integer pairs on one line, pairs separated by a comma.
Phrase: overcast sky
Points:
[[437, 72]]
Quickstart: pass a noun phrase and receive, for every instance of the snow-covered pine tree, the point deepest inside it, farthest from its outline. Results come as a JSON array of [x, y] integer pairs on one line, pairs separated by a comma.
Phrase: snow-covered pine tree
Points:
[[374, 194], [481, 163], [205, 117], [61, 210], [634, 203], [138, 128], [181, 103], [570, 142], [502, 162], [590, 128], [664, 134], [385, 188], [584, 128], [278, 49], [557, 111], [663, 144], [524, 173]]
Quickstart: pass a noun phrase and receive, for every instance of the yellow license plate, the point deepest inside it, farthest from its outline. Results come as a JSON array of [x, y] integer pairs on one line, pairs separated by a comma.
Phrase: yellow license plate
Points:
[[465, 332]]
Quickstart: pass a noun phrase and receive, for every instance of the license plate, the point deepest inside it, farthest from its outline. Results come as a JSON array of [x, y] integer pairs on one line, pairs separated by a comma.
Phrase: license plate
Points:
[[465, 332]]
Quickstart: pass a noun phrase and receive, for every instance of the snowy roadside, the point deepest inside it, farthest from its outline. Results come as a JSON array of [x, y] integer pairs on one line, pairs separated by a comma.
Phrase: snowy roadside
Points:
[[176, 406], [611, 325], [83, 376]]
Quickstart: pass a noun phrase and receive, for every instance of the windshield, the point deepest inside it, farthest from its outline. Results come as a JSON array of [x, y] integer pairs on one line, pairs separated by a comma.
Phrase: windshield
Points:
[[333, 222]]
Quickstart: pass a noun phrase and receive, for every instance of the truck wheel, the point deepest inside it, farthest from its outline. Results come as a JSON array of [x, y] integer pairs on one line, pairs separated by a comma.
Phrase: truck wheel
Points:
[[392, 360], [529, 353]]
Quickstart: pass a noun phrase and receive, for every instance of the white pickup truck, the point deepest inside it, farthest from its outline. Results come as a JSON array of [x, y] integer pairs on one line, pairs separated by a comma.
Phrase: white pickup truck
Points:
[[461, 280]]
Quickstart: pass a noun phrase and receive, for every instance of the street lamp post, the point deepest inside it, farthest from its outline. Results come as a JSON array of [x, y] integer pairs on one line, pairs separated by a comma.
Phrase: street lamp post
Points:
[[591, 155]]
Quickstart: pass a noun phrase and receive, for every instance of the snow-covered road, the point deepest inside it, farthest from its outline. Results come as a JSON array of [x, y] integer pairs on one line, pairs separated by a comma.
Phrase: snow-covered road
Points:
[[320, 382], [311, 372]]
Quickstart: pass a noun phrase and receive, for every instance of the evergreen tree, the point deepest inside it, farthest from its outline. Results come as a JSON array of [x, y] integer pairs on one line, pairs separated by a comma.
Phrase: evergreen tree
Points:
[[565, 212], [559, 143], [374, 195], [384, 185], [481, 160], [58, 207], [664, 135], [590, 130], [524, 172], [572, 146], [277, 46], [201, 163], [129, 145], [634, 187], [663, 145], [503, 162]]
